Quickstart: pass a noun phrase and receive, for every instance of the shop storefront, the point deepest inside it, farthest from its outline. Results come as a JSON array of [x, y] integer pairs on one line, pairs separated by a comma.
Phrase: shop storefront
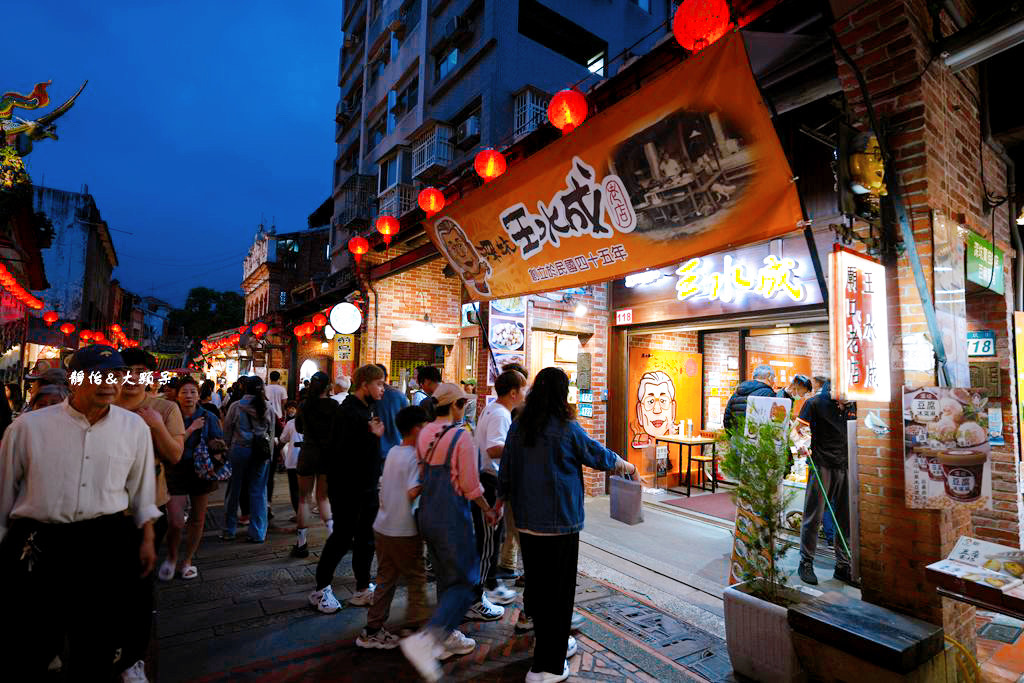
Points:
[[686, 336]]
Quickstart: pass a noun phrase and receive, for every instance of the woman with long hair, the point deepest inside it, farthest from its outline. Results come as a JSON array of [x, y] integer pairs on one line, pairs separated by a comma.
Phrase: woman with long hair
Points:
[[541, 479], [249, 433], [14, 397], [184, 484], [314, 422]]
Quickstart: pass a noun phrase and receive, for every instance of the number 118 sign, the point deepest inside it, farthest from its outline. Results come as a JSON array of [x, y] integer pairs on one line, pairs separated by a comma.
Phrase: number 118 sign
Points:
[[981, 343], [858, 327]]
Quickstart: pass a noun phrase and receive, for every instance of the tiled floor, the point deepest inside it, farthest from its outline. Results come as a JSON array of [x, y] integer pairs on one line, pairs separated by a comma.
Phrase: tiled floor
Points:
[[1000, 662]]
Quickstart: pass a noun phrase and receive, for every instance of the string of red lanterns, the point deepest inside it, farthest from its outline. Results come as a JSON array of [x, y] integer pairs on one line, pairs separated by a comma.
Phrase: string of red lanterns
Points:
[[10, 283], [567, 109], [387, 226], [489, 164], [358, 246], [431, 200], [699, 23]]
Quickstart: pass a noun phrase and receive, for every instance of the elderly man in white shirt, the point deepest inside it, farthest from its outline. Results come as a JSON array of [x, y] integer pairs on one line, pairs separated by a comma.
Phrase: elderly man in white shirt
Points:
[[68, 551]]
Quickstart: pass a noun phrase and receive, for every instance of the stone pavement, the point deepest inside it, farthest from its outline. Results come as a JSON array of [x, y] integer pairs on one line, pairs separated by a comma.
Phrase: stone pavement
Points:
[[247, 618]]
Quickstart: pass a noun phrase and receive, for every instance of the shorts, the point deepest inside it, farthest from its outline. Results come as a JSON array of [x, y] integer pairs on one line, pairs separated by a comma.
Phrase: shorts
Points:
[[182, 480], [310, 463]]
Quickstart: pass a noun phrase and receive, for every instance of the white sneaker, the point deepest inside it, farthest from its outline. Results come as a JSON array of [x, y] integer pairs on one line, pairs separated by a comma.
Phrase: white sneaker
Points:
[[502, 595], [325, 601], [364, 597], [135, 674], [421, 649], [381, 640], [457, 643], [545, 677], [485, 610], [571, 649]]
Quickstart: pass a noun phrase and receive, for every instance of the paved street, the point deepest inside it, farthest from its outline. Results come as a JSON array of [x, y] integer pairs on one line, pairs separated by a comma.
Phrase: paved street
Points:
[[247, 618]]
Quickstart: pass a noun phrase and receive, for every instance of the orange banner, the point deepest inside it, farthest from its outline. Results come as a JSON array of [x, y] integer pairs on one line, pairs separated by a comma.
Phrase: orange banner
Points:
[[688, 165]]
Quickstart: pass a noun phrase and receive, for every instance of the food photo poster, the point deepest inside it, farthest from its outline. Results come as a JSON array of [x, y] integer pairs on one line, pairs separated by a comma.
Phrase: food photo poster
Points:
[[946, 448]]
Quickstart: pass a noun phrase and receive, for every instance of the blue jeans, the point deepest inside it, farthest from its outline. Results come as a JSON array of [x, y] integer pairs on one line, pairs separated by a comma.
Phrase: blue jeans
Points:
[[253, 478]]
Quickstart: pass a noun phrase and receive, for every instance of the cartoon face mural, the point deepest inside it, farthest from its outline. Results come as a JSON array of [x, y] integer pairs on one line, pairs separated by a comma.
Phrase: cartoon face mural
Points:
[[462, 254], [656, 404]]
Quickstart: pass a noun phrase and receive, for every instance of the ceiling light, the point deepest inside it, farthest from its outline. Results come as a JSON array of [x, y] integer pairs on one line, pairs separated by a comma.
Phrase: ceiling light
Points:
[[324, 346]]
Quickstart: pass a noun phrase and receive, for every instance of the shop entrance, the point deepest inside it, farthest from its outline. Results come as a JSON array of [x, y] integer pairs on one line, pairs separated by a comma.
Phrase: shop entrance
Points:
[[407, 356]]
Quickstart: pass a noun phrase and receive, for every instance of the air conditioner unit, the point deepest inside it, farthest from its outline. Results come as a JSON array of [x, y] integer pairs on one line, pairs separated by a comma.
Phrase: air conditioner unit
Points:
[[455, 28], [468, 131]]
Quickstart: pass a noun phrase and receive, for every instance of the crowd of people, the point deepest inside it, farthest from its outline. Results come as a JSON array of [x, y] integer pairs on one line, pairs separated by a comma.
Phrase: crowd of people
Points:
[[96, 476]]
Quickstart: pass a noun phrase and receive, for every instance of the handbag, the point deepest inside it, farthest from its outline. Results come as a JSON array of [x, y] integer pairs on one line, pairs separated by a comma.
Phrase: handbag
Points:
[[207, 467], [626, 500]]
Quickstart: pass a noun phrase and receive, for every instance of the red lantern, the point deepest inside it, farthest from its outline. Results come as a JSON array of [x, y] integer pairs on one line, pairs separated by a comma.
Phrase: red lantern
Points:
[[242, 329], [699, 23], [66, 329], [489, 164], [299, 330], [259, 329], [50, 317], [308, 328], [431, 200], [319, 320], [567, 109], [358, 246], [388, 227], [115, 328]]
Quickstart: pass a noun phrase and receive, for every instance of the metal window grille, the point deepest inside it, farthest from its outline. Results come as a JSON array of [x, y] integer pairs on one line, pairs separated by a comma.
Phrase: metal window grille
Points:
[[531, 111], [396, 201], [435, 148]]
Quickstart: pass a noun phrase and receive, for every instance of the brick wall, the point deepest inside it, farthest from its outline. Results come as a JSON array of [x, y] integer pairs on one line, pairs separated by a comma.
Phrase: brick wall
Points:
[[719, 347], [935, 141]]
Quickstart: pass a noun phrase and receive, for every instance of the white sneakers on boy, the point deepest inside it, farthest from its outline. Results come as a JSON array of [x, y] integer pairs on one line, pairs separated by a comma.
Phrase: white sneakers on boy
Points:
[[422, 650], [485, 610], [325, 601], [545, 677]]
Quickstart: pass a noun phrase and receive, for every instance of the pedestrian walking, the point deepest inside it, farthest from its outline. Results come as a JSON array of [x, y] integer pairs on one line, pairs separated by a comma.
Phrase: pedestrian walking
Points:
[[509, 560], [544, 452], [387, 410], [291, 445], [277, 396], [469, 419], [249, 433], [208, 398], [315, 422], [826, 418], [398, 544], [353, 473], [48, 396], [450, 478], [185, 485], [427, 379], [341, 388], [759, 385], [14, 397], [799, 387], [490, 434], [68, 474]]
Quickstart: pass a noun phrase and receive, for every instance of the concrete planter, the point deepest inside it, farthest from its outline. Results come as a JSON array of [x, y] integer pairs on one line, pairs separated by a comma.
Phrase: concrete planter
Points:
[[758, 637]]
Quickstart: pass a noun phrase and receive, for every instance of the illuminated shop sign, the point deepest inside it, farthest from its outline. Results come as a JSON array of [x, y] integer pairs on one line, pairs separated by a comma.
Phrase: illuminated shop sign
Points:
[[858, 327], [776, 277]]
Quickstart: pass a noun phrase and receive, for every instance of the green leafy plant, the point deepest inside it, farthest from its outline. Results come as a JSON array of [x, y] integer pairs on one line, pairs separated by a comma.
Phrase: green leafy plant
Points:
[[759, 463]]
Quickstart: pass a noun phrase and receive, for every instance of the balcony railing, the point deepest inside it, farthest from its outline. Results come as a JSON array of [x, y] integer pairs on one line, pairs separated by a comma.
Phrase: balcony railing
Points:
[[397, 200], [357, 201], [531, 110], [433, 151]]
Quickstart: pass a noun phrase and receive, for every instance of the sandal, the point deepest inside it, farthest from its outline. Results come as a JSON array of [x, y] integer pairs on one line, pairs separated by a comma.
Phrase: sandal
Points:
[[189, 571], [166, 571]]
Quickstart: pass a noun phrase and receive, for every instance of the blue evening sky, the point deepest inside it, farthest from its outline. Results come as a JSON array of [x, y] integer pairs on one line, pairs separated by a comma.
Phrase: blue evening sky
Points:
[[200, 117]]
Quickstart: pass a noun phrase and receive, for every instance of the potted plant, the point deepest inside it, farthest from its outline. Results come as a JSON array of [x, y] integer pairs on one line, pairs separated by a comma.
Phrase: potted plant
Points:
[[758, 636]]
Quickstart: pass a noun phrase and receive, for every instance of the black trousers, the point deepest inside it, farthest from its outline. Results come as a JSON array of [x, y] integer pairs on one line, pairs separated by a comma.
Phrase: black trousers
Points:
[[137, 625], [353, 512], [488, 538], [101, 557], [550, 564]]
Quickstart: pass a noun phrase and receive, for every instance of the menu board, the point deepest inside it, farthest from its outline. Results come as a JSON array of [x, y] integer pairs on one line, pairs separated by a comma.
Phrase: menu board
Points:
[[506, 334], [946, 448], [983, 570]]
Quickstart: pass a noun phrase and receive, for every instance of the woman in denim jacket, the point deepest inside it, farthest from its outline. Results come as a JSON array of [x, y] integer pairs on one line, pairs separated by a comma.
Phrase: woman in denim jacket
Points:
[[541, 478], [248, 417]]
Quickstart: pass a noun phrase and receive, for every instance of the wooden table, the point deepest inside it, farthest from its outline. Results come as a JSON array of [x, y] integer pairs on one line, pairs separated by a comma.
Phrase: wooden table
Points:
[[690, 442]]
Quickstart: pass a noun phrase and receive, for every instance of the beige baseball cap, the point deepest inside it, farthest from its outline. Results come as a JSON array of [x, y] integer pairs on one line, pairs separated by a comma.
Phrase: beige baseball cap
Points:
[[447, 393]]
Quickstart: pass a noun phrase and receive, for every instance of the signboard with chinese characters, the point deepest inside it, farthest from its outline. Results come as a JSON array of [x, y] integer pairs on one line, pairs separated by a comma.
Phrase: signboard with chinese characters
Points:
[[769, 276], [946, 448], [984, 263], [687, 165], [343, 345], [858, 327]]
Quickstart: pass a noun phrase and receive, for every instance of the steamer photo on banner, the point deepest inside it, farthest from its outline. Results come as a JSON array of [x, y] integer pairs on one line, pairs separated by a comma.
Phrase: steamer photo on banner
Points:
[[687, 165]]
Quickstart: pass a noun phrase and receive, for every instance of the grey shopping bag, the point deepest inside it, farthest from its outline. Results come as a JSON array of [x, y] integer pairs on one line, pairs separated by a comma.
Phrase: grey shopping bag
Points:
[[626, 500]]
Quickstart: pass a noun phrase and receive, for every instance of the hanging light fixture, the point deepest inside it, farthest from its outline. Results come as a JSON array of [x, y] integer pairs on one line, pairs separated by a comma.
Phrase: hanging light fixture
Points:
[[50, 317], [489, 164], [387, 226], [329, 332], [259, 329], [567, 109], [699, 23], [431, 200], [66, 329], [115, 328], [358, 246], [319, 320]]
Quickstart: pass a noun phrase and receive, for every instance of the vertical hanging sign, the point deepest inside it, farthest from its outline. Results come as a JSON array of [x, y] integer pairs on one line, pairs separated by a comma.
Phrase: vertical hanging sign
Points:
[[858, 327], [950, 305]]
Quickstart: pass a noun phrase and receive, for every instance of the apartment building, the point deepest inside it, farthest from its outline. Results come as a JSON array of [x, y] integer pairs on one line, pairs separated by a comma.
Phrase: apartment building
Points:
[[425, 84]]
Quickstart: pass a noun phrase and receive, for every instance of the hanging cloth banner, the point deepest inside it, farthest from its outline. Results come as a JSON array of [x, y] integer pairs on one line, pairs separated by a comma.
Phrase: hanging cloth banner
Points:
[[688, 165]]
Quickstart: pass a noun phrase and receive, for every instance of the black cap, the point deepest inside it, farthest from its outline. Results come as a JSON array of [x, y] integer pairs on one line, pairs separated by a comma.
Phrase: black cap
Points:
[[96, 357], [320, 376]]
